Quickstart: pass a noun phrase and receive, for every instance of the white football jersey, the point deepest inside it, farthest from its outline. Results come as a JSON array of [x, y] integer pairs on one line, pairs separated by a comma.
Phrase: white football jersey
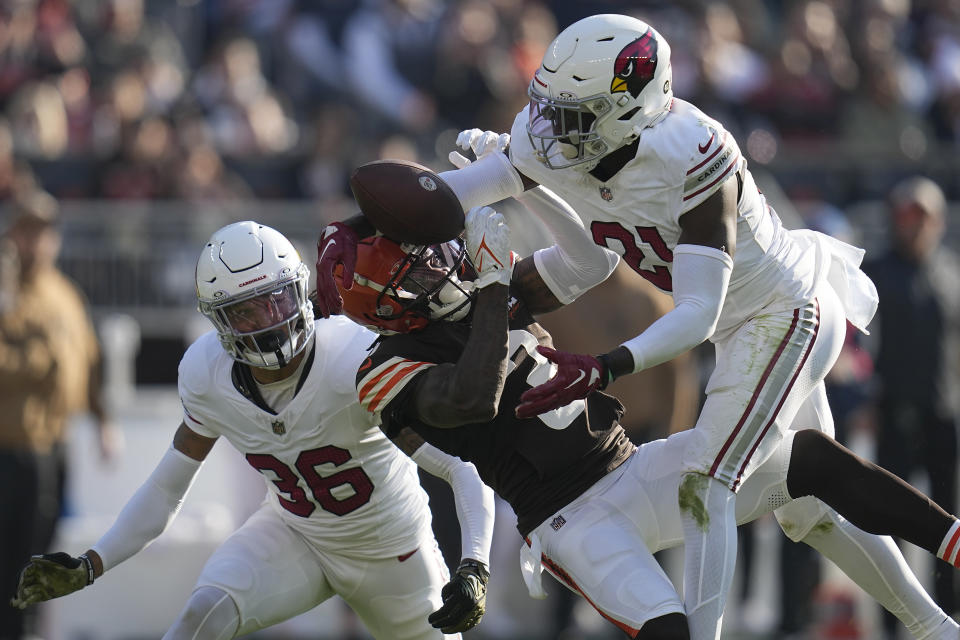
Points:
[[680, 162], [331, 473]]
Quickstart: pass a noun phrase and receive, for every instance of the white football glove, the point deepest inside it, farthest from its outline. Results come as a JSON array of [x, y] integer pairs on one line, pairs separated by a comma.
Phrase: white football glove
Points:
[[488, 245], [480, 142]]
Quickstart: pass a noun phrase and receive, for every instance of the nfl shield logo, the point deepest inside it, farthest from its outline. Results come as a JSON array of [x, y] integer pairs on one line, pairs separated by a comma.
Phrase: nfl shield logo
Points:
[[278, 427], [606, 194]]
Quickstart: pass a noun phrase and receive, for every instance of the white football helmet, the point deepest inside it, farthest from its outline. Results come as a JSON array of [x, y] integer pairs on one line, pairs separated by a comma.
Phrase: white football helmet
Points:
[[252, 285], [602, 81]]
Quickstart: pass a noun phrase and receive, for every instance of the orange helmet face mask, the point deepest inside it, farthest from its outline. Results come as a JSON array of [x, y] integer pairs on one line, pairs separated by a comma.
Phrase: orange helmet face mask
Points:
[[396, 290]]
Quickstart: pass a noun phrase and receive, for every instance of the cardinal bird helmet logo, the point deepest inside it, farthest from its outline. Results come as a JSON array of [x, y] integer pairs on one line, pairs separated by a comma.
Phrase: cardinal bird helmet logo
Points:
[[635, 65]]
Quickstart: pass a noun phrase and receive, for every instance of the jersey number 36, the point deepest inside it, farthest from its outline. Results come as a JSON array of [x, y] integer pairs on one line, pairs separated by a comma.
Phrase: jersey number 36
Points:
[[321, 486]]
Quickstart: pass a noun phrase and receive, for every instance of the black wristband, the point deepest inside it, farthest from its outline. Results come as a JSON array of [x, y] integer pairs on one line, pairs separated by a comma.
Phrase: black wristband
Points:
[[476, 567], [88, 565], [607, 372]]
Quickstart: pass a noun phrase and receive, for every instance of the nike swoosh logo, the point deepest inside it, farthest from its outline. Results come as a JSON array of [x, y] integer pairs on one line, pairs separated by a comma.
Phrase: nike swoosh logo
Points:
[[703, 147], [366, 364], [330, 243], [407, 556], [579, 378]]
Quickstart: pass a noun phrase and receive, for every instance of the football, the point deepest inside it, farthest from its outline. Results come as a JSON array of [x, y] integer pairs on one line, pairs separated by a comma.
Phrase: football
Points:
[[407, 202]]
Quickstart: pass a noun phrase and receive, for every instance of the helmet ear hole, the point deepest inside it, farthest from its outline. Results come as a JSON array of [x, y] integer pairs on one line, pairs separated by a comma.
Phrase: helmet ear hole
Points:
[[629, 114]]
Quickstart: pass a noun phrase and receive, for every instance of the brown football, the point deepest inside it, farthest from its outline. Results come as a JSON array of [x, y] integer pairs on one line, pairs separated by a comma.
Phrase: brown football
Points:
[[407, 202]]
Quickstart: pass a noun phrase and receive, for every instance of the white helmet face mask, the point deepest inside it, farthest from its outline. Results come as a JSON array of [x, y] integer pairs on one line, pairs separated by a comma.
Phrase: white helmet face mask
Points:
[[602, 81], [252, 285]]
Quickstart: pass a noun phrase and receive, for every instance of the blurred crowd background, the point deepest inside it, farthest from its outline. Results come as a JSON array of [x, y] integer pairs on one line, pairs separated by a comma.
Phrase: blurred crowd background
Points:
[[222, 100], [153, 122]]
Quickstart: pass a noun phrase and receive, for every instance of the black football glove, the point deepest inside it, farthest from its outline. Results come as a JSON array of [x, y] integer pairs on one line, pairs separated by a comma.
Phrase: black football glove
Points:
[[464, 598], [50, 576]]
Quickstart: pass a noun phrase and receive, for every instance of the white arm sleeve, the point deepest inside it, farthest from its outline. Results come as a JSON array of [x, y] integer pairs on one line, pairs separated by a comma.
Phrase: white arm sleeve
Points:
[[487, 180], [474, 499], [575, 263], [150, 510], [700, 278]]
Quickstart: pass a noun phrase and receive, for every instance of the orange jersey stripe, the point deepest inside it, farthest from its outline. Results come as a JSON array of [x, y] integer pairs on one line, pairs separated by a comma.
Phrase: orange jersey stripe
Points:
[[392, 382]]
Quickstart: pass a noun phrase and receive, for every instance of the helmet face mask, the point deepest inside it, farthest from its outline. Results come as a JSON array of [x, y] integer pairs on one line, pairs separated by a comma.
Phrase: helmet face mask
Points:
[[402, 288], [563, 132], [252, 285], [602, 81]]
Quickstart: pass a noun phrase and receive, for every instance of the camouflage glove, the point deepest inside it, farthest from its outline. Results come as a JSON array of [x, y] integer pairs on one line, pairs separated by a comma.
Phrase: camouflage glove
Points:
[[50, 576], [464, 598]]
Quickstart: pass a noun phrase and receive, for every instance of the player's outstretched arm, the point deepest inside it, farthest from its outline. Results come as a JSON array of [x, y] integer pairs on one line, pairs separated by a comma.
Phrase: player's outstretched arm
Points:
[[491, 177], [464, 597], [144, 517], [337, 245], [451, 395], [702, 264], [559, 274]]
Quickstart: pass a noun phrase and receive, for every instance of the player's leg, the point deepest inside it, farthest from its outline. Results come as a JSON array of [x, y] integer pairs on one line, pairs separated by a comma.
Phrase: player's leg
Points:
[[763, 374], [818, 466], [707, 513], [269, 574], [873, 562], [210, 614], [870, 497], [394, 596], [877, 566], [597, 546]]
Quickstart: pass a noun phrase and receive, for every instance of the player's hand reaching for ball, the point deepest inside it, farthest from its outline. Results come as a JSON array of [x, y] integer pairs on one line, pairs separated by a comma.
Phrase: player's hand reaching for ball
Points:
[[481, 143], [464, 598], [577, 377], [50, 576], [488, 245], [337, 246]]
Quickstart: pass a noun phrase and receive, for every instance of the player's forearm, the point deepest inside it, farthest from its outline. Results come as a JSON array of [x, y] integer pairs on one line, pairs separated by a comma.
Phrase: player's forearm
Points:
[[575, 263], [469, 391], [700, 279], [528, 285], [481, 370], [148, 513], [473, 499], [488, 180]]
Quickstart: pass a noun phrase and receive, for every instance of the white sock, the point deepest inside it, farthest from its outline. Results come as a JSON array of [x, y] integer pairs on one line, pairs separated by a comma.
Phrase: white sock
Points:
[[710, 551], [950, 547], [876, 564]]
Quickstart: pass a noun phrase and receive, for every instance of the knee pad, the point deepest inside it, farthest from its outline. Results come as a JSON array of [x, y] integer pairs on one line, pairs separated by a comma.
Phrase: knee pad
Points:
[[210, 614]]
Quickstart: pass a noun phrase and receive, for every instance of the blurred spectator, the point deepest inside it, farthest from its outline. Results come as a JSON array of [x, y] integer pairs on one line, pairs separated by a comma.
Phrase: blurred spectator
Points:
[[731, 69], [203, 178], [245, 115], [389, 58], [123, 33], [76, 78], [39, 121], [145, 166], [812, 72], [50, 369], [919, 351]]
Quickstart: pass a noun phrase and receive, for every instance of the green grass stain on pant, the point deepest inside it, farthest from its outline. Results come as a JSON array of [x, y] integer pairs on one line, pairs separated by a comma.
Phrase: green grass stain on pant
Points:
[[692, 488]]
